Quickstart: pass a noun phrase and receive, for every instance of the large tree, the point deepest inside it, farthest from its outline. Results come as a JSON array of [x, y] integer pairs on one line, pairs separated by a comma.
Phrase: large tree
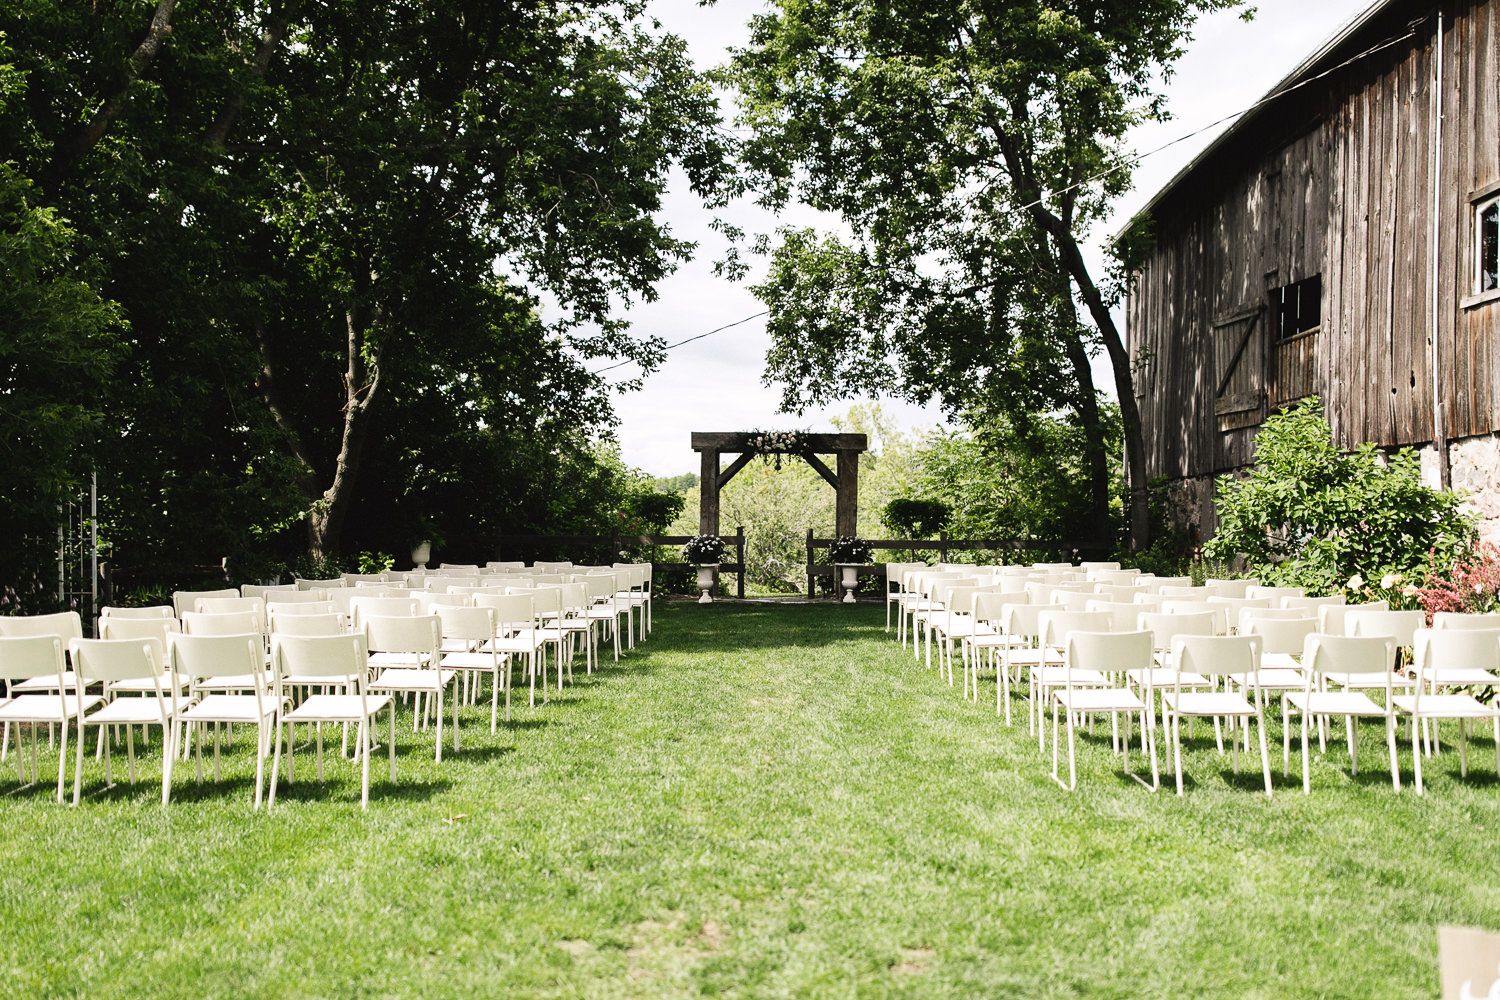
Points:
[[968, 149], [313, 211]]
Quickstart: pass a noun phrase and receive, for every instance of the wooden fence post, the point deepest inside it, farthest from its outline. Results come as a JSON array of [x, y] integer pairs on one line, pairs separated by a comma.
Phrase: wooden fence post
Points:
[[739, 545], [809, 562]]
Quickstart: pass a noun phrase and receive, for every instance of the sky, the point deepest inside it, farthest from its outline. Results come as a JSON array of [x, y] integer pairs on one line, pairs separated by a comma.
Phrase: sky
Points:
[[715, 384]]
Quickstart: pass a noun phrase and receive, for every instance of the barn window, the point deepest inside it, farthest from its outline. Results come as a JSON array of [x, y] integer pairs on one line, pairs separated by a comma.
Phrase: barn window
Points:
[[1487, 245], [1299, 307]]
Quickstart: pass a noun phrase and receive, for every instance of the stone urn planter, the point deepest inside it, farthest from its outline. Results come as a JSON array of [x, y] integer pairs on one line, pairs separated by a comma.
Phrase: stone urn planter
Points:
[[706, 573], [420, 553], [849, 579]]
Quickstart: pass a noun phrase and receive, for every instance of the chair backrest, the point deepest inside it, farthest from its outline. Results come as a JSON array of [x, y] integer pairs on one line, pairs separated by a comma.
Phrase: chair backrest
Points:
[[226, 655], [1312, 604], [1111, 652], [1234, 605], [1348, 654], [1148, 602], [228, 623], [1055, 624], [139, 628], [1461, 648], [1399, 625], [1166, 626], [544, 578], [331, 623], [1156, 583], [1119, 593], [361, 608], [1072, 600], [110, 660], [602, 587], [334, 583], [309, 595], [429, 602], [1331, 617], [501, 567], [1123, 614], [469, 624], [1089, 566], [1232, 588], [264, 591], [1218, 655], [65, 625], [1188, 593], [274, 608], [151, 611], [575, 597], [1178, 606], [343, 656], [23, 657], [355, 579], [446, 583], [187, 600], [1248, 615], [405, 634], [226, 605], [552, 567], [1441, 619], [1275, 592], [1281, 635], [512, 611]]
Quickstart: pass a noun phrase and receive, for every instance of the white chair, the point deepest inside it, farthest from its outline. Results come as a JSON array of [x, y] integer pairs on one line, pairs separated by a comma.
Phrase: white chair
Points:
[[187, 600], [1446, 658], [275, 608], [1234, 605], [1178, 606], [314, 595], [410, 649], [151, 611], [333, 583], [1312, 605], [224, 623], [65, 625], [1215, 658], [1235, 589], [517, 633], [1458, 619], [39, 658], [267, 592], [894, 573], [1102, 654], [138, 664], [989, 636], [219, 664], [228, 605], [1332, 617], [328, 623], [1275, 593], [468, 635], [1054, 626], [605, 607], [361, 608], [331, 661], [1344, 656]]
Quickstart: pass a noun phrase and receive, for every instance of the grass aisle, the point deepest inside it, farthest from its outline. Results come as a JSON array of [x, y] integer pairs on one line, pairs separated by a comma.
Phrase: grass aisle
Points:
[[762, 800]]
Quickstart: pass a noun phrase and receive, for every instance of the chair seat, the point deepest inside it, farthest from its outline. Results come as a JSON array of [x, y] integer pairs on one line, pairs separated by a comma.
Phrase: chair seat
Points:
[[380, 661], [1334, 703], [1273, 679], [1033, 657], [336, 708], [130, 711], [230, 708], [145, 685], [513, 644], [994, 640], [1060, 676], [1446, 706], [1280, 661], [1208, 703], [1461, 677], [1099, 700], [470, 661], [46, 683], [399, 679], [1165, 678], [241, 682], [1371, 682], [45, 707]]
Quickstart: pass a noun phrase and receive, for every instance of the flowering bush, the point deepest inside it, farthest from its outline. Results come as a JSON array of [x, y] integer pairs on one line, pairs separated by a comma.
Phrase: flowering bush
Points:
[[848, 549], [702, 549]]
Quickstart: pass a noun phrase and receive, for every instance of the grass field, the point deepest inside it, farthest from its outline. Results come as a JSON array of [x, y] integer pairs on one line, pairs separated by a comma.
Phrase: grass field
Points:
[[762, 800]]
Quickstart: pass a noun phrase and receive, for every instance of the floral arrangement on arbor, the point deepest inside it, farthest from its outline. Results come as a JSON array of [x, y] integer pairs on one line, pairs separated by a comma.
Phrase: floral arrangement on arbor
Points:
[[849, 549], [771, 445], [703, 549]]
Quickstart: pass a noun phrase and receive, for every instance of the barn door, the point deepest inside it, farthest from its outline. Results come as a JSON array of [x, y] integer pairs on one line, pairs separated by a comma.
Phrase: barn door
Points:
[[1240, 367]]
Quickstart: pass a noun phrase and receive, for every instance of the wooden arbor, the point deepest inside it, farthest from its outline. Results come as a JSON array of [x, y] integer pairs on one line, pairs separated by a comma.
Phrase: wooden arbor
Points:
[[845, 481]]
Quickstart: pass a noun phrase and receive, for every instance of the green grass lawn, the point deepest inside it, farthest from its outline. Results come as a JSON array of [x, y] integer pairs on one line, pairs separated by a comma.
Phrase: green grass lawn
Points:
[[762, 800]]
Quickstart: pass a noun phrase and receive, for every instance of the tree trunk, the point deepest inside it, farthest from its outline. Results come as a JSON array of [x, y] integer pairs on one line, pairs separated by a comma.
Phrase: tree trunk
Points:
[[1096, 457], [325, 519]]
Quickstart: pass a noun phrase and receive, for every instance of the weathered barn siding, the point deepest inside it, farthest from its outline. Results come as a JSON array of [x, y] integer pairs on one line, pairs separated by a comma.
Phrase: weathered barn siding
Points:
[[1333, 179]]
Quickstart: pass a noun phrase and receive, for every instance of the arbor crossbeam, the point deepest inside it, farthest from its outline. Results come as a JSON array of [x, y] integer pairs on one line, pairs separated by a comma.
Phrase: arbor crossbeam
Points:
[[845, 481]]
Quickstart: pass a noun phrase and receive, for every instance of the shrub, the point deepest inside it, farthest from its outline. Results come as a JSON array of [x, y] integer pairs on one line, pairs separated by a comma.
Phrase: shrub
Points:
[[1310, 515], [910, 517]]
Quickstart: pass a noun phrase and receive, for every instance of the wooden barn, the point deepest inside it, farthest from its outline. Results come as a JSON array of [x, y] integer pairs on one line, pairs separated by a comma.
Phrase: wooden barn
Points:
[[1340, 240]]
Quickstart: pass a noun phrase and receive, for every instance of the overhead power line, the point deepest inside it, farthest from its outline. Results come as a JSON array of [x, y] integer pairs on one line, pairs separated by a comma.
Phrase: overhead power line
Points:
[[710, 333]]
